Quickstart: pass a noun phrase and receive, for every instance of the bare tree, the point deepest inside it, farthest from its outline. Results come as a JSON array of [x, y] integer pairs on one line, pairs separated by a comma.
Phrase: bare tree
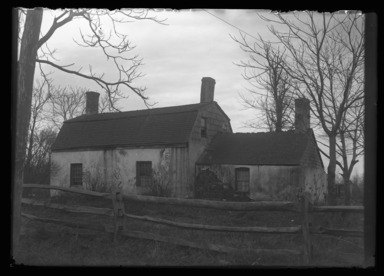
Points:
[[350, 145], [69, 102], [38, 168], [265, 72], [325, 56], [105, 104], [65, 104], [103, 33], [25, 75], [33, 48], [40, 97], [51, 106]]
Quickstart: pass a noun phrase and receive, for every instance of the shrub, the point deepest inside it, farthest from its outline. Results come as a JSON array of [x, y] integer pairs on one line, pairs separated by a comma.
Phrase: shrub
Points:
[[93, 180], [160, 184], [208, 186]]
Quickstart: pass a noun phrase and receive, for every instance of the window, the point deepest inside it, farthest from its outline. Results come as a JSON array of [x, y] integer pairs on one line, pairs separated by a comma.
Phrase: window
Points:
[[203, 127], [76, 174], [242, 180], [143, 173]]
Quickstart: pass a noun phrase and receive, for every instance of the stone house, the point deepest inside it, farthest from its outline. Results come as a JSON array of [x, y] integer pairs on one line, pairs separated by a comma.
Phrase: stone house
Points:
[[172, 145], [128, 147]]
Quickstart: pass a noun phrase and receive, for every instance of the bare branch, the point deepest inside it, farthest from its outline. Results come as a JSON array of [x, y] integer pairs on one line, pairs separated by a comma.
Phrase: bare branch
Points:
[[325, 55], [265, 70]]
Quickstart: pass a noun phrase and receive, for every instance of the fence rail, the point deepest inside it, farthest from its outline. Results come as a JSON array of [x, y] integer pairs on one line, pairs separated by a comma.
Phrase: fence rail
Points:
[[69, 208], [349, 209], [249, 229], [220, 205], [118, 212]]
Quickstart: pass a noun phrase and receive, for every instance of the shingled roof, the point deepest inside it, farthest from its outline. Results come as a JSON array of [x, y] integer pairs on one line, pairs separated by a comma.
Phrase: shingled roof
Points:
[[156, 126], [267, 148]]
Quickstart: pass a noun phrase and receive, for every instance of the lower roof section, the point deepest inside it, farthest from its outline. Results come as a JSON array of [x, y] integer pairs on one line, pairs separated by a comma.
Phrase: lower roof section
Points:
[[267, 148]]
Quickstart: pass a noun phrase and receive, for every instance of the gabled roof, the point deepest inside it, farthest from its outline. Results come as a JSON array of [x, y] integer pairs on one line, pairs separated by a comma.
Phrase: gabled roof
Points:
[[266, 148], [149, 127]]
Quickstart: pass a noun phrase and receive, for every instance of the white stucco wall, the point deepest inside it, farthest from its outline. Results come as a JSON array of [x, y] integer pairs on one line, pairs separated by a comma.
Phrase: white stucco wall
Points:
[[106, 162], [315, 182], [277, 182], [266, 182]]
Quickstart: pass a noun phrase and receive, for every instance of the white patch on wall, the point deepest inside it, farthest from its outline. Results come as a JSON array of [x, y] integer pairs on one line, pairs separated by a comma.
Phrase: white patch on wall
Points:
[[165, 158], [316, 185]]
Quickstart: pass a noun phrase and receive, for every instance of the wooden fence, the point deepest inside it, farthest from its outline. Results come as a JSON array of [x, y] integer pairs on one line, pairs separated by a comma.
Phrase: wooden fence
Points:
[[118, 213]]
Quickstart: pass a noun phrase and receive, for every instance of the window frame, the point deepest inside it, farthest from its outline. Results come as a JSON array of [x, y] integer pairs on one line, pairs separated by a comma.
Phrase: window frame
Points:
[[139, 170], [74, 178], [242, 169]]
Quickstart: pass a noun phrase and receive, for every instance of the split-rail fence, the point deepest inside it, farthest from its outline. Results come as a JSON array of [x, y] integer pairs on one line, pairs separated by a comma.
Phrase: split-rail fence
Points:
[[118, 213]]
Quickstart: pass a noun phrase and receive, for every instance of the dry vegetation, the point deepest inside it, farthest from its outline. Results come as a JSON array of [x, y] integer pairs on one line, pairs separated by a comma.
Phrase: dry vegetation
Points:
[[53, 245]]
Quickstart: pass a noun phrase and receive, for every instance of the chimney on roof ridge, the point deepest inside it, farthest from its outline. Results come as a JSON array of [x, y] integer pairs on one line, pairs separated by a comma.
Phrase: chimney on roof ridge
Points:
[[302, 115], [207, 90], [92, 103]]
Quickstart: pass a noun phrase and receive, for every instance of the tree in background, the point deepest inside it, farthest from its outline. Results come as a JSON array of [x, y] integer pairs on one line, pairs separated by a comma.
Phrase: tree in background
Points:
[[103, 33], [69, 102], [51, 106], [38, 169], [273, 93], [325, 57], [66, 103], [40, 97], [350, 145]]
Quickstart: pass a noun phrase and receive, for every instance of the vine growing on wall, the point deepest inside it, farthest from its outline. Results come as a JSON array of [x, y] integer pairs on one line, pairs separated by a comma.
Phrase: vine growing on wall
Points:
[[116, 180], [93, 180], [160, 184]]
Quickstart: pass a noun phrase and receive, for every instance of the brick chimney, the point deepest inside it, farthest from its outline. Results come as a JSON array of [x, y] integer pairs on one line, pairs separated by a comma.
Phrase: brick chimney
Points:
[[92, 103], [207, 90], [302, 115]]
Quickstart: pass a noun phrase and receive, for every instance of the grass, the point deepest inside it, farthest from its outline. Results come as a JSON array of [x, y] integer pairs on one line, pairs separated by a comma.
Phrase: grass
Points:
[[52, 245]]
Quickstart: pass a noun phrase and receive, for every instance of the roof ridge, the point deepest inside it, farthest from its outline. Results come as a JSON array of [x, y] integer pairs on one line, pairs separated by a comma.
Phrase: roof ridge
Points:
[[78, 120], [156, 108]]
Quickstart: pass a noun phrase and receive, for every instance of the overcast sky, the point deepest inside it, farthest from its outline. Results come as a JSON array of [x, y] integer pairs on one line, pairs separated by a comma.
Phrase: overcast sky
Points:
[[176, 56], [193, 44]]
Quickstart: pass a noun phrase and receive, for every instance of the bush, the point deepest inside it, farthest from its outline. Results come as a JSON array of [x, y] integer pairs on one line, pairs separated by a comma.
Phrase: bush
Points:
[[209, 186], [93, 180], [160, 184]]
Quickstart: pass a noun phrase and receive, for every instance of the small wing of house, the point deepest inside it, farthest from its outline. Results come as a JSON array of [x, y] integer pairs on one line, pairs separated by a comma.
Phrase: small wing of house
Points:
[[269, 148], [265, 166]]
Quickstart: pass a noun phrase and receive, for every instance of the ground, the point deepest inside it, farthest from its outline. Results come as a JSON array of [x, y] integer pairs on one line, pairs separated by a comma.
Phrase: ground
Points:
[[47, 244]]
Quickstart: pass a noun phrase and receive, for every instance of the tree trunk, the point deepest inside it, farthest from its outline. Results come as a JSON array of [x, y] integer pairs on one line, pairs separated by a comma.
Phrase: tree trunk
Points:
[[30, 143], [28, 159], [25, 76], [347, 190], [332, 170], [279, 116]]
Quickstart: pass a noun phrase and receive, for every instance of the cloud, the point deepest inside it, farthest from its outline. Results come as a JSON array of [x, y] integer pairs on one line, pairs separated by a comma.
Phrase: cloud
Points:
[[176, 57]]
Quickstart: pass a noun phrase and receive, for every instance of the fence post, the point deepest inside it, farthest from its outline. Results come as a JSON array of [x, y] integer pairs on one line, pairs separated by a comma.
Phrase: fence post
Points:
[[305, 201], [118, 211]]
